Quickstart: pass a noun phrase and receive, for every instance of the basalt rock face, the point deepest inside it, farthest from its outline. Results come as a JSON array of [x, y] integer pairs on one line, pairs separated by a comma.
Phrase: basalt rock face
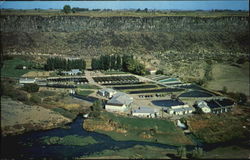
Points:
[[82, 35], [156, 24]]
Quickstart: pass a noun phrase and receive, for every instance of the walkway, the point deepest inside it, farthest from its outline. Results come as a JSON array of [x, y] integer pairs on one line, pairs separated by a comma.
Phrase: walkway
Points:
[[88, 75]]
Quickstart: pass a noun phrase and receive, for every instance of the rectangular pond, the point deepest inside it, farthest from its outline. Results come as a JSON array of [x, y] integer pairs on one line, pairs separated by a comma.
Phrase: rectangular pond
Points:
[[167, 103], [157, 90]]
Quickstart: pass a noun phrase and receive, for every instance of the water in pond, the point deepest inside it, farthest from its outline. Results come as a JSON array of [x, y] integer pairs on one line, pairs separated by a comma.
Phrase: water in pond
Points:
[[167, 103], [14, 147], [157, 90], [196, 94]]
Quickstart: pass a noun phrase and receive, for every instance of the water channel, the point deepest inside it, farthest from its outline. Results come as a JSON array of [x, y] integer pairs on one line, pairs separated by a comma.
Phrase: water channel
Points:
[[28, 145]]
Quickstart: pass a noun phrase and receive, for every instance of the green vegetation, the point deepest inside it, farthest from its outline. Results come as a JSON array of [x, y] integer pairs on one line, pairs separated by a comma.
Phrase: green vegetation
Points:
[[8, 89], [139, 129], [10, 67], [126, 63], [230, 152], [96, 109], [31, 88], [84, 92], [159, 72], [129, 13], [113, 72], [224, 127], [181, 152], [67, 9], [88, 86], [64, 112], [61, 63], [73, 140], [136, 152]]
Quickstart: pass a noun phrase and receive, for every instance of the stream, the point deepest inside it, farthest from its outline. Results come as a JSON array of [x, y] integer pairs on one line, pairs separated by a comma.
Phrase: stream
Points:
[[28, 145]]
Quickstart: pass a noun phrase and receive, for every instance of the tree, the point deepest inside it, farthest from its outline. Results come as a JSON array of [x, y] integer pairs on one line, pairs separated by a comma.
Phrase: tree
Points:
[[67, 9], [31, 88], [181, 152], [118, 65], [96, 109], [159, 72], [197, 153]]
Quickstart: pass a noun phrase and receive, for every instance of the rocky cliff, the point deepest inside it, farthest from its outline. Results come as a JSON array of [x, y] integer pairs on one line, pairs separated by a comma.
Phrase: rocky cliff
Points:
[[14, 23], [84, 35]]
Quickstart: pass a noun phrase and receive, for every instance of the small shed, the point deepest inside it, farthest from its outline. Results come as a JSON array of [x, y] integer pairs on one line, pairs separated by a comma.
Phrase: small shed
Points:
[[144, 112], [107, 92]]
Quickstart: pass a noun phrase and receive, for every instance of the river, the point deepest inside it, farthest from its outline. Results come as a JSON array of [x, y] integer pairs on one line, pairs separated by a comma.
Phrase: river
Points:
[[28, 145]]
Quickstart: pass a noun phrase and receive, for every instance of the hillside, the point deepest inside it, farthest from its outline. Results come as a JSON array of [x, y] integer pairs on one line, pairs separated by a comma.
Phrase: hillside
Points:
[[183, 44], [87, 35]]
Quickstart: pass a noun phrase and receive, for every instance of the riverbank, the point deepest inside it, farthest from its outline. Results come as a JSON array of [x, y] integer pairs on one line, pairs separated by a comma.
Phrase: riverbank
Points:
[[17, 118], [139, 129]]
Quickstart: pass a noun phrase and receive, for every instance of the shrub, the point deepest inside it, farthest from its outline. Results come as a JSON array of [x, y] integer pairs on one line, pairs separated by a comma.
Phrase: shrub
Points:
[[35, 99], [159, 72], [31, 88]]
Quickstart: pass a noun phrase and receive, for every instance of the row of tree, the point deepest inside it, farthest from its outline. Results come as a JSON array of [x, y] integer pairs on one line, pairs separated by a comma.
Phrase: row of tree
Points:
[[124, 63], [67, 9], [64, 64]]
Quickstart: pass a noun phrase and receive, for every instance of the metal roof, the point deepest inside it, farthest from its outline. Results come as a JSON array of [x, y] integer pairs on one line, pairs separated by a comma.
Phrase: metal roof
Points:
[[144, 110], [120, 98]]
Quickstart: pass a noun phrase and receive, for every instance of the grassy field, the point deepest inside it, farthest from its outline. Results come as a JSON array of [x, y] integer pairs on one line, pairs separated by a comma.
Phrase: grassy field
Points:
[[126, 13], [138, 129], [235, 79], [84, 92], [73, 140], [138, 151], [231, 152], [88, 86], [224, 127], [9, 66]]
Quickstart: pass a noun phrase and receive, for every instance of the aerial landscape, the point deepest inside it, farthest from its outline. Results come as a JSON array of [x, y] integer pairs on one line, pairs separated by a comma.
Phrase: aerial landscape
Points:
[[125, 80]]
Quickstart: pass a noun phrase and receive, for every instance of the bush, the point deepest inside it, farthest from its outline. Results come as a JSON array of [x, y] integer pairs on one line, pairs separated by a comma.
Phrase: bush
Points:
[[31, 88], [35, 99], [159, 72]]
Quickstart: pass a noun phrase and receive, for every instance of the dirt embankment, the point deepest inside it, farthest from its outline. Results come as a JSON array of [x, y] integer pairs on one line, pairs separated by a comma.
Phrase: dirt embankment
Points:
[[17, 118]]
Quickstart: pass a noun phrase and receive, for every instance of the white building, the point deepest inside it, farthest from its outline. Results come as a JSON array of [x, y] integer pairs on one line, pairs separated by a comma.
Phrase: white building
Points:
[[180, 109], [120, 102], [27, 80], [145, 112], [72, 72], [202, 105], [107, 92]]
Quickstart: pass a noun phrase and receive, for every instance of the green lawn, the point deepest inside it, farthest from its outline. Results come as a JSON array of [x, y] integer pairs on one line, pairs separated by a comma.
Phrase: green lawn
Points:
[[9, 70], [84, 92], [88, 86], [139, 129]]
